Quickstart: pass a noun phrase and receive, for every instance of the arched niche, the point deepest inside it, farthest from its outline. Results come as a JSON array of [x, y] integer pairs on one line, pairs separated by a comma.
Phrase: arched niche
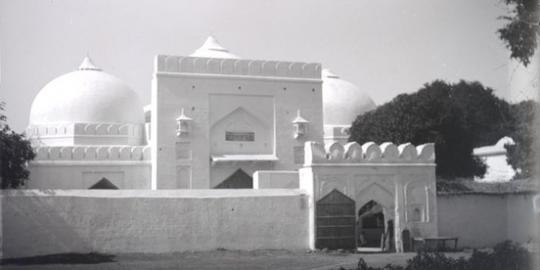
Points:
[[416, 200]]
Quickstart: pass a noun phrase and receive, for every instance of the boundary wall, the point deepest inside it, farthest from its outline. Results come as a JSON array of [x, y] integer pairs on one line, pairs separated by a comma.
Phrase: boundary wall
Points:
[[127, 221], [483, 220]]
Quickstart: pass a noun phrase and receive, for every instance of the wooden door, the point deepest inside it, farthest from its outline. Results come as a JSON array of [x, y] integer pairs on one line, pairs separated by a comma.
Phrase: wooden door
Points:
[[335, 222]]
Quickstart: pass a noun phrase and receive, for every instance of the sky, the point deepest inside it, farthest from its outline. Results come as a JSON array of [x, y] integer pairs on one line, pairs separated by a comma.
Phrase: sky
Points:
[[386, 47]]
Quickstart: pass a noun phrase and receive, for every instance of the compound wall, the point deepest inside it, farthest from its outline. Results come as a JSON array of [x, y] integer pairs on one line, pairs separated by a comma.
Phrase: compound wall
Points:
[[124, 221], [481, 220]]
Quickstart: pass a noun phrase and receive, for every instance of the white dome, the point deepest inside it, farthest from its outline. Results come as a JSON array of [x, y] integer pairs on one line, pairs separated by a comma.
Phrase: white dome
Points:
[[212, 49], [87, 95], [342, 100]]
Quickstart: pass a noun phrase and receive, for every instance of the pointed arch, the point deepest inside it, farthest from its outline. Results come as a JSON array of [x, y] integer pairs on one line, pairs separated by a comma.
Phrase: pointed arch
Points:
[[335, 221], [239, 179], [375, 192], [104, 183]]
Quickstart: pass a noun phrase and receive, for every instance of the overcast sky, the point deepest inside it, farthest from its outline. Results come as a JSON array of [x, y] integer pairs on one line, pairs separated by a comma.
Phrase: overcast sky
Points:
[[386, 47]]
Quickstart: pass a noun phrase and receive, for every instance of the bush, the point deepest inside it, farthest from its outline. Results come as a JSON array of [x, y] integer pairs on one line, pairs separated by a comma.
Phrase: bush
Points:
[[505, 256]]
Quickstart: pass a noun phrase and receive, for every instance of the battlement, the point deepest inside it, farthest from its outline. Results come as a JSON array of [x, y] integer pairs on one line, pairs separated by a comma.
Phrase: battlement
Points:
[[370, 152], [238, 67], [91, 153]]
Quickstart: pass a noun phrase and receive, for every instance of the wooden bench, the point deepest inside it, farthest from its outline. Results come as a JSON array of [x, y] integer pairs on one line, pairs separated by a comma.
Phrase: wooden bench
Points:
[[434, 243]]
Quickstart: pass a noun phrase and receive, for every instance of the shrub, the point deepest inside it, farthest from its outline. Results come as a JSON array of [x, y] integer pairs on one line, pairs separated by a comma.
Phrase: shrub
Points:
[[505, 256]]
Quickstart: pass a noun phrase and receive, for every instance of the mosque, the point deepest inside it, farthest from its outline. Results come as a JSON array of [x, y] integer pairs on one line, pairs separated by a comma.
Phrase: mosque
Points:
[[214, 120], [217, 121], [273, 133]]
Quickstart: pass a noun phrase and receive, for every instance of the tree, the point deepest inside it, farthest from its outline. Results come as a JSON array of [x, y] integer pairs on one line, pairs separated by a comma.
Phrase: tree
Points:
[[15, 152], [521, 156], [522, 30], [456, 117]]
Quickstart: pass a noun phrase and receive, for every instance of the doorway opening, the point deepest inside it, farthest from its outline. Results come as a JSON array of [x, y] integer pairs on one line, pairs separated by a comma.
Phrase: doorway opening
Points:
[[370, 226]]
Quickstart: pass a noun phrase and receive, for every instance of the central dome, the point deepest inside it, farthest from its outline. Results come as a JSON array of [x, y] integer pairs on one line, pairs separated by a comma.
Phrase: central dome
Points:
[[342, 100], [87, 95]]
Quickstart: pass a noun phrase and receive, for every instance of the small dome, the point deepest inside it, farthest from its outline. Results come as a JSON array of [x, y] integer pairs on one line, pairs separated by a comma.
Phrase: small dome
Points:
[[342, 100], [87, 95], [212, 49]]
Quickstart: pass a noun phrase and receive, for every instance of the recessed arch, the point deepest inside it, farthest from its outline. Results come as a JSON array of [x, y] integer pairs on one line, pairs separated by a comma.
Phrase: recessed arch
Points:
[[104, 183], [375, 192], [238, 180]]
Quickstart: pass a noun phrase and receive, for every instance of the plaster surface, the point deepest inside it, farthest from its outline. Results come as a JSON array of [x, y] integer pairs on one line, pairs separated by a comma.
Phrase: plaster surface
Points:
[[127, 221], [485, 220]]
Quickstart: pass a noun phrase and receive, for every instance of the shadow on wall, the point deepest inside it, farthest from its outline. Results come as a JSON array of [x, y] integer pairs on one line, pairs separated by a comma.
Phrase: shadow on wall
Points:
[[67, 258], [35, 225]]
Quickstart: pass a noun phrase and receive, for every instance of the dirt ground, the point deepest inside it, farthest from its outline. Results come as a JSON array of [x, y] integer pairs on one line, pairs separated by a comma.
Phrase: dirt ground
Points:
[[219, 259]]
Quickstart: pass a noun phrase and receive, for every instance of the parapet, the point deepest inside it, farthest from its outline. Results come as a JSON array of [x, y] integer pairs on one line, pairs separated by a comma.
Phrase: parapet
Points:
[[238, 67], [93, 153], [86, 133], [370, 152]]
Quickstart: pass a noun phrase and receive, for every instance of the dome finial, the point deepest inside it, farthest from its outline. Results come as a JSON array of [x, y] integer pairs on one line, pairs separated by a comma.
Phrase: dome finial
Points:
[[212, 49], [327, 73], [87, 64]]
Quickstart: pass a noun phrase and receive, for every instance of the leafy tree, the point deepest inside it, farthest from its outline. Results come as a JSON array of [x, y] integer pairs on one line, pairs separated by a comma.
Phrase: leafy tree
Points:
[[522, 29], [15, 152], [521, 156], [456, 117]]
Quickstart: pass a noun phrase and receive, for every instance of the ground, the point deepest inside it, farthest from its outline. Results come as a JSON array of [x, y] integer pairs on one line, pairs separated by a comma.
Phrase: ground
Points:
[[219, 259]]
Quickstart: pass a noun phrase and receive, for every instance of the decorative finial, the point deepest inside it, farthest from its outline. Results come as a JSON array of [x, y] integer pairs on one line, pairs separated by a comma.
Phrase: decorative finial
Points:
[[212, 49], [326, 73], [183, 116], [299, 118], [87, 64]]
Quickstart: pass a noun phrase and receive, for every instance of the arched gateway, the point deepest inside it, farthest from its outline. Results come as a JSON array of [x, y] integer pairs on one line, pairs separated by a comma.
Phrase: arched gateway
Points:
[[369, 196]]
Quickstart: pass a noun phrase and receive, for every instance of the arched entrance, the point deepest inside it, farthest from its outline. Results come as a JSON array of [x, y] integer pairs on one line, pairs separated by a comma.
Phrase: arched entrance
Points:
[[335, 220], [370, 225]]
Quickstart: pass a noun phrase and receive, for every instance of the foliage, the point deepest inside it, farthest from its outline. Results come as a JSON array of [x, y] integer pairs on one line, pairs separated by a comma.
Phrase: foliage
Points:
[[505, 256], [522, 29], [15, 152], [521, 156], [457, 117]]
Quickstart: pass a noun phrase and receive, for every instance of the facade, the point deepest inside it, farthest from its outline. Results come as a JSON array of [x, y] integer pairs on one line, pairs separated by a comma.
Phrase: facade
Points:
[[212, 117], [218, 121]]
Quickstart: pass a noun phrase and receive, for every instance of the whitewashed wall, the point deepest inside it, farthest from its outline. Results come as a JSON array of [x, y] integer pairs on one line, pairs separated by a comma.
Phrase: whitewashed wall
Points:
[[219, 93], [123, 221], [275, 179], [485, 220]]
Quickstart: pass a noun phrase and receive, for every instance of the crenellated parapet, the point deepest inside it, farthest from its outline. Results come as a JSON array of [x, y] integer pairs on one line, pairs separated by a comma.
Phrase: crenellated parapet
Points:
[[86, 133], [93, 153], [370, 152], [239, 67]]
